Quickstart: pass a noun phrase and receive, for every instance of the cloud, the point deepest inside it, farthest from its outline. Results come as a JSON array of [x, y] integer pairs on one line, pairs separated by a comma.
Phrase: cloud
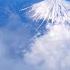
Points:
[[51, 51], [56, 11]]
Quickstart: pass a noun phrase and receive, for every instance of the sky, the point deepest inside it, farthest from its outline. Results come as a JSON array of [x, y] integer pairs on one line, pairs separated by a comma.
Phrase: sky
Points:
[[17, 49], [16, 31]]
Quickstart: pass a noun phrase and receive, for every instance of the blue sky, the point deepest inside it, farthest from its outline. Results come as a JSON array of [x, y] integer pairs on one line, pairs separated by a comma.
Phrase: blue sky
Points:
[[16, 32], [16, 27]]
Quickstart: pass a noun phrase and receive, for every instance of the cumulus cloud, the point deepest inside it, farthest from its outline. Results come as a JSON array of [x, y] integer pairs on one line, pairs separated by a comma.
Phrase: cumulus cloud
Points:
[[51, 51]]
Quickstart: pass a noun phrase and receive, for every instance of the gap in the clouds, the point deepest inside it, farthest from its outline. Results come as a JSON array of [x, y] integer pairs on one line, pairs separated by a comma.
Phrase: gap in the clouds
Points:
[[33, 24], [67, 0], [41, 29], [3, 17], [17, 5]]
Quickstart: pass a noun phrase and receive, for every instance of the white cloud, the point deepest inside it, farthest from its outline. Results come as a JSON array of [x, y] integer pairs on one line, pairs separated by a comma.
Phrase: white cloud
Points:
[[51, 50], [56, 10]]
